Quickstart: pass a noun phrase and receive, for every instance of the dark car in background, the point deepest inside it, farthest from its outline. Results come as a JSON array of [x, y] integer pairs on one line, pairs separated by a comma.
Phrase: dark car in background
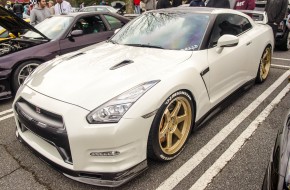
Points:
[[54, 36], [277, 175], [282, 36]]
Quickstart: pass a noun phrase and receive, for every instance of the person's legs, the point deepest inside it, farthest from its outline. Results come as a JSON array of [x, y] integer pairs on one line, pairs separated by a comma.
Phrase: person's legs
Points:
[[138, 9]]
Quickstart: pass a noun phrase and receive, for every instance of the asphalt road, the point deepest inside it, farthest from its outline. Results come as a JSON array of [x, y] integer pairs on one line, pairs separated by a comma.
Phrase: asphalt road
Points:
[[231, 151]]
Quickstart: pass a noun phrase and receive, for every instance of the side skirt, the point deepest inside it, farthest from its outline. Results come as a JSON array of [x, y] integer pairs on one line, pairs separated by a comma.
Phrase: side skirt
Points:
[[223, 104]]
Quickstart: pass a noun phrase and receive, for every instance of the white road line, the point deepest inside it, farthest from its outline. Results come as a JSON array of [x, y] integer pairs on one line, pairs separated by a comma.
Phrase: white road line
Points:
[[280, 59], [6, 116], [196, 159], [280, 66], [221, 162], [5, 112]]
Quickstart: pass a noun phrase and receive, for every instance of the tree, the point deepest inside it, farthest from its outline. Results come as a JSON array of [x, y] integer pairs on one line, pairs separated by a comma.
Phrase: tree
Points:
[[129, 6]]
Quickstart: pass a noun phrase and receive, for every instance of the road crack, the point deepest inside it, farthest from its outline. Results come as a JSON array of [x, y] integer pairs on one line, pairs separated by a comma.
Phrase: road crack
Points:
[[33, 173], [10, 173]]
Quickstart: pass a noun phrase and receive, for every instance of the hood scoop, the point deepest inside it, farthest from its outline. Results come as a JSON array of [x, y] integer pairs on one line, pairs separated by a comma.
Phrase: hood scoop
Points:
[[123, 63], [76, 55]]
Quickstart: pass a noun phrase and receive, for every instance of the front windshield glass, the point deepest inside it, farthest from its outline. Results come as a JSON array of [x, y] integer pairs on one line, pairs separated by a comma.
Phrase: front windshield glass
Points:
[[51, 27], [173, 31]]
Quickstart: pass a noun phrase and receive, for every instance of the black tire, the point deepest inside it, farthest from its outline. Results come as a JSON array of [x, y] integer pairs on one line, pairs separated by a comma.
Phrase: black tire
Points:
[[284, 46], [264, 65], [168, 135], [22, 71]]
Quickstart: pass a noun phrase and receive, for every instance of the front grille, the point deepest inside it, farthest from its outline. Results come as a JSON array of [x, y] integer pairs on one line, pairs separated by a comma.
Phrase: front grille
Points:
[[47, 125]]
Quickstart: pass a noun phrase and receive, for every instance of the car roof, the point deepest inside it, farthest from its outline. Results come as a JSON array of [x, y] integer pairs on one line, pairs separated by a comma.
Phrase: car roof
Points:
[[75, 14]]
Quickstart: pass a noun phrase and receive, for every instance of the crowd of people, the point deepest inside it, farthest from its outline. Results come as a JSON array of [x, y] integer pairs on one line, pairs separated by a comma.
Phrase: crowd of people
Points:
[[276, 9], [39, 10]]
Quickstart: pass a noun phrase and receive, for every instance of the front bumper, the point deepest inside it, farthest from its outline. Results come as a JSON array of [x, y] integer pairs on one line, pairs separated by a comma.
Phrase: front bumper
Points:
[[128, 137], [100, 179]]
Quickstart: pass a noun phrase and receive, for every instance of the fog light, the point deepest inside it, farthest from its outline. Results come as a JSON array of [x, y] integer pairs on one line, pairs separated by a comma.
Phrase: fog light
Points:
[[109, 153]]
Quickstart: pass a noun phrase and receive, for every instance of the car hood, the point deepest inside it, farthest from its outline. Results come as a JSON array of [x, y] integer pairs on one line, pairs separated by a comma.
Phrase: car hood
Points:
[[90, 78], [14, 24]]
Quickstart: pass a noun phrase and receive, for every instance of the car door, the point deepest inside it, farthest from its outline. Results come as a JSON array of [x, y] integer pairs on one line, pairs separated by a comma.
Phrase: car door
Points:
[[94, 30], [228, 68]]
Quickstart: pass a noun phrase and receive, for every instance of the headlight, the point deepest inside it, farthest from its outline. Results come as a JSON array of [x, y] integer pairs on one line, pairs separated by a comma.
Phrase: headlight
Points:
[[113, 110]]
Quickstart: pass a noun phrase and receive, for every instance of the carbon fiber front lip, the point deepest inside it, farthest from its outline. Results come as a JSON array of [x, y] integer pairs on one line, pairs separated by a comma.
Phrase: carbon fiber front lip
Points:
[[99, 179]]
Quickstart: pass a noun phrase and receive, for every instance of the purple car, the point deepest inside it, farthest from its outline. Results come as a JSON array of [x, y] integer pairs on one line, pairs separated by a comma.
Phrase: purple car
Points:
[[54, 36]]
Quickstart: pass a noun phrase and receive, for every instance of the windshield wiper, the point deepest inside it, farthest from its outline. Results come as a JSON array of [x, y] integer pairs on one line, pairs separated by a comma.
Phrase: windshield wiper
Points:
[[40, 37], [145, 45], [35, 38], [112, 41]]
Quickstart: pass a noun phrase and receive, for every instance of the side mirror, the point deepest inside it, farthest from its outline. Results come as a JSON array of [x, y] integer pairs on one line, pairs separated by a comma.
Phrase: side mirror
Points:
[[227, 41], [76, 33], [117, 30]]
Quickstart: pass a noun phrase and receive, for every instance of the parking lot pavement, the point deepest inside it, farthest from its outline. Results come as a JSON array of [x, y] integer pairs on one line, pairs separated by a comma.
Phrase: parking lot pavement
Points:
[[13, 175]]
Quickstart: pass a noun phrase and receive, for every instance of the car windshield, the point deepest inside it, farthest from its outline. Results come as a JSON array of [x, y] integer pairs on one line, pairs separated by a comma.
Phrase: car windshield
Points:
[[52, 27], [173, 31]]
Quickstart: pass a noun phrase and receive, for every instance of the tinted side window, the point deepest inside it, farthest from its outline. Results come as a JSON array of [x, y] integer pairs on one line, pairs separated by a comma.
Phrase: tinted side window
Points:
[[92, 24], [228, 24], [114, 22]]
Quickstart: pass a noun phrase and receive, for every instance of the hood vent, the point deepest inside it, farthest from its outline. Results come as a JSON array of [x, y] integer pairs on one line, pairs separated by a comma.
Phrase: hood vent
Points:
[[123, 63], [76, 55]]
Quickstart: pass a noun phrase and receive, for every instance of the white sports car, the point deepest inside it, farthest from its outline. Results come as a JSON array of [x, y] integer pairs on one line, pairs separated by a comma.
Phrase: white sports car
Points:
[[97, 114]]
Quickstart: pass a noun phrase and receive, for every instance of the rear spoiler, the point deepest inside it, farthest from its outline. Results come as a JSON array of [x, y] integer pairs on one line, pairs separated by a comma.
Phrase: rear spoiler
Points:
[[259, 17]]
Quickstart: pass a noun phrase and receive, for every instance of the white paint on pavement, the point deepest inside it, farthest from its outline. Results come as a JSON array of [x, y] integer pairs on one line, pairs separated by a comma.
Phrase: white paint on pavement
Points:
[[280, 66], [280, 59], [221, 162], [5, 112], [196, 159], [6, 116]]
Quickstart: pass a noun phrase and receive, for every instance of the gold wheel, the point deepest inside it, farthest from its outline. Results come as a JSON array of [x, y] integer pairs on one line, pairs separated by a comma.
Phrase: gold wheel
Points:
[[175, 125], [265, 63]]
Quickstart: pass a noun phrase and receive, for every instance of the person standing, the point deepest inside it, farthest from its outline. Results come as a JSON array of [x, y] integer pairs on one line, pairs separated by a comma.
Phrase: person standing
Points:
[[103, 2], [82, 5], [196, 3], [276, 11], [137, 6], [218, 3], [39, 12], [149, 4], [245, 5], [18, 9], [51, 7], [62, 7], [163, 4]]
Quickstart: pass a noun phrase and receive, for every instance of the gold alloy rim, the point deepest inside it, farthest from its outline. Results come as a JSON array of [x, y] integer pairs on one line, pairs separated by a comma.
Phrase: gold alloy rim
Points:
[[265, 63], [175, 125]]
